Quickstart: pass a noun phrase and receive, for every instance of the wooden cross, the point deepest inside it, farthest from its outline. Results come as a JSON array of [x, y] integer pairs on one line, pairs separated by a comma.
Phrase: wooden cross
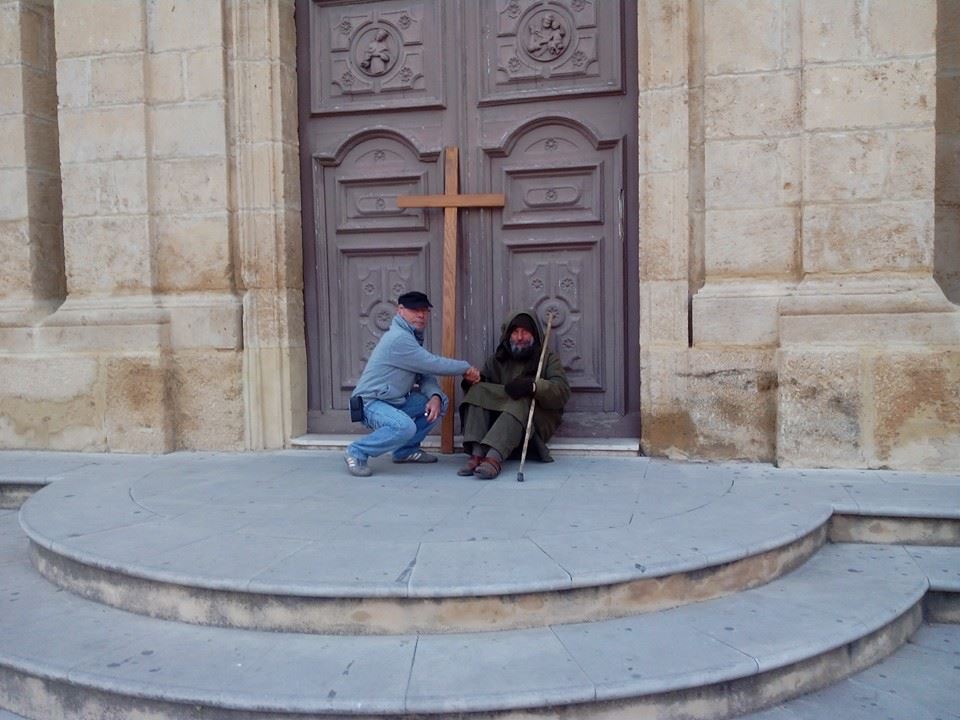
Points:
[[450, 201]]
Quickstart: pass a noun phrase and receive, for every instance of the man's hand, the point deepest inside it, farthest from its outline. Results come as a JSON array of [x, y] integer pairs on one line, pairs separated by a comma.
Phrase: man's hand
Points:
[[472, 375], [521, 387], [432, 411]]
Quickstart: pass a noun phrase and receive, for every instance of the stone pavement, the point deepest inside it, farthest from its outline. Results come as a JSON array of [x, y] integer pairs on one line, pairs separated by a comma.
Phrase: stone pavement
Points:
[[607, 584]]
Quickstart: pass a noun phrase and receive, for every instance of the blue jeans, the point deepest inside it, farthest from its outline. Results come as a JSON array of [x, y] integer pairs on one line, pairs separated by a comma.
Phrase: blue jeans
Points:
[[396, 428]]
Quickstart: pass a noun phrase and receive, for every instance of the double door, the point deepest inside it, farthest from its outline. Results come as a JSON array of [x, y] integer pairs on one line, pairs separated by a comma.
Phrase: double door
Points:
[[539, 96]]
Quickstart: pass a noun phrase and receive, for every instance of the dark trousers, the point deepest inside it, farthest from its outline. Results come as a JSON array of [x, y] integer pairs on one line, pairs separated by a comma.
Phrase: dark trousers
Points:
[[501, 431]]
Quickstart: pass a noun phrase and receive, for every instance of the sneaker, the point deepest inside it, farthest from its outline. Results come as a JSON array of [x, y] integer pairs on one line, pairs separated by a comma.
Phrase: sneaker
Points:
[[356, 466], [417, 456]]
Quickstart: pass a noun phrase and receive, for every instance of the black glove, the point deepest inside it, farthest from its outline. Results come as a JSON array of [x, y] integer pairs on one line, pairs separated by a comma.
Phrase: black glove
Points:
[[520, 387]]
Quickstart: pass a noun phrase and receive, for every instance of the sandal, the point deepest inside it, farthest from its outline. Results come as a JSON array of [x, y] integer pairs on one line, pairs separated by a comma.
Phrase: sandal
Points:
[[488, 469], [470, 466]]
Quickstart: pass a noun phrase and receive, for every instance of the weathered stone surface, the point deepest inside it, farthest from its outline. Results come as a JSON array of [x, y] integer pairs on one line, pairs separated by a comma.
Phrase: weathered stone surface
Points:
[[208, 396], [819, 408], [946, 262], [845, 166], [92, 27], [205, 74], [138, 408], [177, 25], [10, 51], [948, 103], [194, 186], [714, 403], [865, 238], [13, 152], [166, 77], [73, 82], [833, 31], [662, 220], [900, 92], [11, 80], [663, 308], [745, 35], [912, 164], [15, 256], [13, 199], [107, 254], [108, 133], [193, 253], [869, 165], [891, 36], [751, 105], [117, 79], [51, 402], [752, 173], [948, 169], [742, 243], [207, 130], [662, 114], [948, 39], [110, 188], [663, 31], [917, 397], [737, 313], [42, 146]]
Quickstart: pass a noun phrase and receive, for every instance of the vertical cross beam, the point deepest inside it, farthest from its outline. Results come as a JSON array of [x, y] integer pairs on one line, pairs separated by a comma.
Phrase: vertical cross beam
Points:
[[451, 186], [450, 201]]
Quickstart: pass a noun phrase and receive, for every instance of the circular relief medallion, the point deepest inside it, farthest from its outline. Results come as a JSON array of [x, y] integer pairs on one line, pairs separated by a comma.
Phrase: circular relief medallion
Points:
[[545, 35], [382, 316], [376, 50]]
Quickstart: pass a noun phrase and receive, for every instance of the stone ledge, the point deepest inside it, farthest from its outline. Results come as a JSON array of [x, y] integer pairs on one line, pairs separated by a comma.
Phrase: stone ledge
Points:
[[602, 447]]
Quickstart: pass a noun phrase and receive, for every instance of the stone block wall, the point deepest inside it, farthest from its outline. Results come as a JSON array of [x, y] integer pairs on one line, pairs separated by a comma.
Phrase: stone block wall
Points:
[[165, 116], [31, 247], [817, 335], [799, 228]]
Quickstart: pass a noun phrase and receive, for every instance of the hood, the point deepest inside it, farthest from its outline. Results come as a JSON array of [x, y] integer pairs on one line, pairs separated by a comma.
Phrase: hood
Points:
[[538, 335], [503, 348]]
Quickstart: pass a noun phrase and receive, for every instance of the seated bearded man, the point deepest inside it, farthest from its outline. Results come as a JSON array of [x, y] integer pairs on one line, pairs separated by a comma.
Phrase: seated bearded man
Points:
[[493, 414]]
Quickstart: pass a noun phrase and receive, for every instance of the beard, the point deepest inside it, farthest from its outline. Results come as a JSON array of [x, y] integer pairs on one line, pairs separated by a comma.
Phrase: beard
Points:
[[521, 351]]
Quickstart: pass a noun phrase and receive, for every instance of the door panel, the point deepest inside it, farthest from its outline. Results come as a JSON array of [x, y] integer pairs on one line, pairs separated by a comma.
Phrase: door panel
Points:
[[543, 49], [533, 93], [374, 55]]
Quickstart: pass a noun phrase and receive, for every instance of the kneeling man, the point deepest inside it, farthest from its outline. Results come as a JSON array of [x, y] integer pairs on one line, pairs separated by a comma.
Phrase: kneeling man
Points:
[[493, 414], [401, 399]]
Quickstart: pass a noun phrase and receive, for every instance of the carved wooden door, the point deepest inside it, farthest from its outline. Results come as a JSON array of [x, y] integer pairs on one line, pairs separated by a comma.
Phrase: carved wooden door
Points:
[[539, 96]]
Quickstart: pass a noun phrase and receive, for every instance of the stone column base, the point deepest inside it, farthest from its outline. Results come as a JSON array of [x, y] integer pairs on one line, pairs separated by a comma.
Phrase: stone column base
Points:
[[869, 377]]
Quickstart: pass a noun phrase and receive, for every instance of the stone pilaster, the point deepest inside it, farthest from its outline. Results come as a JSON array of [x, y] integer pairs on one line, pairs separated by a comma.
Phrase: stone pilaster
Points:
[[946, 252], [261, 43], [868, 355], [31, 244], [110, 330], [751, 170]]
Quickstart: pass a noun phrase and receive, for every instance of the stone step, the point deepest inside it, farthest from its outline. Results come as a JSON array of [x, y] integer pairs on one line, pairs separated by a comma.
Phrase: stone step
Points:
[[844, 609], [918, 682], [425, 551], [290, 542], [561, 446]]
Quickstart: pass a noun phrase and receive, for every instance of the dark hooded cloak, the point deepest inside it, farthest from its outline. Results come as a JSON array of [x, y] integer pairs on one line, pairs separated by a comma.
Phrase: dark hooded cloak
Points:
[[552, 394]]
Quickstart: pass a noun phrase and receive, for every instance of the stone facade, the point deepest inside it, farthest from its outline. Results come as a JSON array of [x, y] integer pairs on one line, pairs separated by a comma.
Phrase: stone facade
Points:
[[799, 228]]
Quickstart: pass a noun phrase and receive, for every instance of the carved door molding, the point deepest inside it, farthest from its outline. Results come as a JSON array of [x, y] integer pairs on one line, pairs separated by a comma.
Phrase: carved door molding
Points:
[[534, 92]]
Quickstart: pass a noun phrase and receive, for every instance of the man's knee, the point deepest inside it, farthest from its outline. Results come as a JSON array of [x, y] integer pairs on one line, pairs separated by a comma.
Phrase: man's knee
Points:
[[406, 428]]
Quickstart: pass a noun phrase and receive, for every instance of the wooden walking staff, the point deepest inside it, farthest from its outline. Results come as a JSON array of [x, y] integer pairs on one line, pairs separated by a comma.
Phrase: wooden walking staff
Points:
[[533, 400], [450, 201]]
